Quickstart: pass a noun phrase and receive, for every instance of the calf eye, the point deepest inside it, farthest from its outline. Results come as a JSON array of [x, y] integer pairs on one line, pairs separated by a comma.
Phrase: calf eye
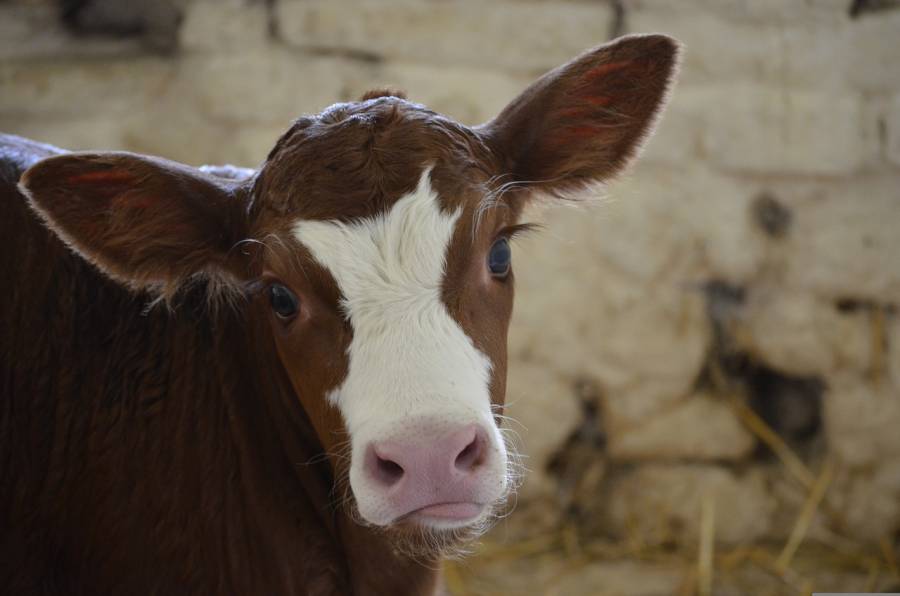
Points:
[[500, 258], [283, 301]]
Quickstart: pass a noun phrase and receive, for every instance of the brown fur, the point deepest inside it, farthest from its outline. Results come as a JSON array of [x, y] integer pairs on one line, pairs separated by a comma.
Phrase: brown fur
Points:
[[191, 450]]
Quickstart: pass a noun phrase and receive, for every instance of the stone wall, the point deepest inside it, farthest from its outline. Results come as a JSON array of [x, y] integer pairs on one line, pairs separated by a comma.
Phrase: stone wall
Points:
[[745, 278]]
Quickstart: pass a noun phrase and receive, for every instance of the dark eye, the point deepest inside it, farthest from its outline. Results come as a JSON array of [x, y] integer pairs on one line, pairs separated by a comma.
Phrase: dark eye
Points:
[[284, 302], [500, 258]]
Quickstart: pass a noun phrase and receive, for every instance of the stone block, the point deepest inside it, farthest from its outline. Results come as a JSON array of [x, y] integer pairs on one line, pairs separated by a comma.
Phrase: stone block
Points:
[[578, 314], [701, 427], [113, 86], [196, 140], [801, 334], [520, 36], [816, 55], [225, 25], [621, 578], [756, 12], [265, 84], [660, 503], [746, 55], [892, 129], [701, 216], [844, 243], [679, 133], [861, 420], [872, 49], [783, 44], [764, 129], [543, 411], [893, 352], [19, 25], [868, 501], [30, 30], [471, 95], [77, 134]]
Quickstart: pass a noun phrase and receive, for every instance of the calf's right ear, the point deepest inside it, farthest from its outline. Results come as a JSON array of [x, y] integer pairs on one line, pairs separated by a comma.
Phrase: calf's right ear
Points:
[[585, 121], [147, 222]]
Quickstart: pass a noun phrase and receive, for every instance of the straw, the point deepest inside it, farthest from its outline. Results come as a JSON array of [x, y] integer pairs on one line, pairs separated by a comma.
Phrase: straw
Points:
[[808, 511], [890, 557], [879, 343], [707, 544], [774, 442]]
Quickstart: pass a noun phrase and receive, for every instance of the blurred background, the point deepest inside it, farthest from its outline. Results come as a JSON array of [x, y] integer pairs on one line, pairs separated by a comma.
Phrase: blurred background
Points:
[[705, 361]]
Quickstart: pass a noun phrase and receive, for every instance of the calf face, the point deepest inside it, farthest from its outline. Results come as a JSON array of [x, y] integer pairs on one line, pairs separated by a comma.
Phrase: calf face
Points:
[[373, 248]]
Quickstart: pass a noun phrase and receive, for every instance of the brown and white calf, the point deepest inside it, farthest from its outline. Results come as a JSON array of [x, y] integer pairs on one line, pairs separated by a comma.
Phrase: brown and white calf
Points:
[[285, 381]]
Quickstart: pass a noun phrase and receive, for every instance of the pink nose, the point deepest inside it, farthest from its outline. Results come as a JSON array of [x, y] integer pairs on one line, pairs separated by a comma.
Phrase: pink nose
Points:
[[435, 476]]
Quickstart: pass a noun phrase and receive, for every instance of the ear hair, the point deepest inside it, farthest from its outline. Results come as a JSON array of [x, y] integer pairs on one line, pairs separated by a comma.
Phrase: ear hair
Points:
[[147, 222], [587, 120]]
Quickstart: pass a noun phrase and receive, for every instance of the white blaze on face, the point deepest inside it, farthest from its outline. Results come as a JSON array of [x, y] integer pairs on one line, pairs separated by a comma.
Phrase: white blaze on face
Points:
[[409, 360]]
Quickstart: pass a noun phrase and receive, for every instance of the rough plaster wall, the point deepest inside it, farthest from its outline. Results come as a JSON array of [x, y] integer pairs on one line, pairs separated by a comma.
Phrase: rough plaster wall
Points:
[[760, 235]]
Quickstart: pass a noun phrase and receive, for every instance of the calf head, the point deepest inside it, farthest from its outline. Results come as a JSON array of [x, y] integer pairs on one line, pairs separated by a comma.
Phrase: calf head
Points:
[[374, 248]]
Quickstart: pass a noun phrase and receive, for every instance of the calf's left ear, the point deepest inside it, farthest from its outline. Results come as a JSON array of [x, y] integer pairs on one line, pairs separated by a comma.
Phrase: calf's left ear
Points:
[[585, 121], [144, 221]]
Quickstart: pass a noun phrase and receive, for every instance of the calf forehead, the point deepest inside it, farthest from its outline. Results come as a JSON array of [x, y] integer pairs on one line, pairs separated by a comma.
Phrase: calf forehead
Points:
[[388, 263], [390, 270], [356, 160]]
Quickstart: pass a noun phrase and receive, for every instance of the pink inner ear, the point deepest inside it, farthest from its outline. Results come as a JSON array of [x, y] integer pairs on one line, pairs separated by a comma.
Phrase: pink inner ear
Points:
[[599, 101], [110, 185], [604, 69], [582, 111], [581, 131], [102, 176], [586, 110], [571, 134], [591, 90], [134, 200]]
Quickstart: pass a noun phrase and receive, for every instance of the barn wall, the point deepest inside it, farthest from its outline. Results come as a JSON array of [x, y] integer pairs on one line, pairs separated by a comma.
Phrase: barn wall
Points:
[[750, 265]]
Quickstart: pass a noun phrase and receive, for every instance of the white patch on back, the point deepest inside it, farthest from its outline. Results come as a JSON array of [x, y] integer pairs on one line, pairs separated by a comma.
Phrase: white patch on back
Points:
[[409, 359]]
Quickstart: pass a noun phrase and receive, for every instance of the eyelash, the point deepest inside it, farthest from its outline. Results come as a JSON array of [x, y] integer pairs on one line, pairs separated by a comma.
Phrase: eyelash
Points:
[[519, 230]]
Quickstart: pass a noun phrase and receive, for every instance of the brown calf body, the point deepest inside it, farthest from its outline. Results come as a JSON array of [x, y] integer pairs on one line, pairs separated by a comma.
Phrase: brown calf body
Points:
[[137, 454], [161, 430]]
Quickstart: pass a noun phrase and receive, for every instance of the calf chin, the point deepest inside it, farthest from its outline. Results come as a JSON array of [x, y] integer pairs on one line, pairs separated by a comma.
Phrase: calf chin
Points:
[[420, 542]]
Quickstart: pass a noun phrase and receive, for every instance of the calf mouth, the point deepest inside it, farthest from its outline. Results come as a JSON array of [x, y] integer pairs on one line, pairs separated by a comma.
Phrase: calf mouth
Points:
[[431, 533], [461, 512], [439, 530], [446, 516]]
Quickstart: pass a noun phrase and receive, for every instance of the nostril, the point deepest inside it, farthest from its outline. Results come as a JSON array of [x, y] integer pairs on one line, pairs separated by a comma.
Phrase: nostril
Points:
[[383, 466], [388, 472], [470, 456]]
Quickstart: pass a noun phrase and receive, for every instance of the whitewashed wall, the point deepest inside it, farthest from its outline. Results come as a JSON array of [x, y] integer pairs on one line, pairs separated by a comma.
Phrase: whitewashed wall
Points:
[[766, 213]]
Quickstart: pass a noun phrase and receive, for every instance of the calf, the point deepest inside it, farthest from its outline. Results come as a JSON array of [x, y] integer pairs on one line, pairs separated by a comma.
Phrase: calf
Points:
[[285, 381]]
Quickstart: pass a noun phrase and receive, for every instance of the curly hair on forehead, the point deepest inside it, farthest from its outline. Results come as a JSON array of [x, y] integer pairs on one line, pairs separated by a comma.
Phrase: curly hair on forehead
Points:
[[355, 159]]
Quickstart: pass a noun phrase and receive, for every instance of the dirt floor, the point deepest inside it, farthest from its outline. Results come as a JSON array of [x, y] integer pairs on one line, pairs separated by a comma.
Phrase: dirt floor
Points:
[[530, 553]]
